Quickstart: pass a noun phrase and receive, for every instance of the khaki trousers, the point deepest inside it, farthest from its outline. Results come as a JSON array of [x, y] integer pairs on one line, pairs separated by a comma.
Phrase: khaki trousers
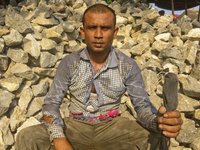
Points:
[[118, 134]]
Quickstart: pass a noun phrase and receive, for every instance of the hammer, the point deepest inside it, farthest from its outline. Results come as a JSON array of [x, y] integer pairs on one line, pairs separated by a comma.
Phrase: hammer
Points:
[[170, 99]]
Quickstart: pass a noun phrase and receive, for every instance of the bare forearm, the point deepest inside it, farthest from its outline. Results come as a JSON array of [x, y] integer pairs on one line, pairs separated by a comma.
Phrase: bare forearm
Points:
[[62, 144], [48, 119]]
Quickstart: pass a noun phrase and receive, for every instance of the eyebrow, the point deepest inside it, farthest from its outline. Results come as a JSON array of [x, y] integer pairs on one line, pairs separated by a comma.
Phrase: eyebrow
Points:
[[102, 26]]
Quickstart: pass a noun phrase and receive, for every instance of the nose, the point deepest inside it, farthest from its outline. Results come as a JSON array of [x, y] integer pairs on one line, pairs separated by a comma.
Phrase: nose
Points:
[[98, 33]]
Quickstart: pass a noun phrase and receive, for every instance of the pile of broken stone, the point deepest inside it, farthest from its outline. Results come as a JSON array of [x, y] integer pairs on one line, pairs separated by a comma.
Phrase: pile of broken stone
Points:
[[36, 34]]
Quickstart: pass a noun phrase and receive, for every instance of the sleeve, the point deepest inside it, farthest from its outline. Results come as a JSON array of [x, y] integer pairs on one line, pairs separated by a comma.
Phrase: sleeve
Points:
[[146, 112], [53, 100]]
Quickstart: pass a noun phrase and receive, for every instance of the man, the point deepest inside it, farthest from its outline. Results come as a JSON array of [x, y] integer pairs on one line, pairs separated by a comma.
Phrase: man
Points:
[[97, 76]]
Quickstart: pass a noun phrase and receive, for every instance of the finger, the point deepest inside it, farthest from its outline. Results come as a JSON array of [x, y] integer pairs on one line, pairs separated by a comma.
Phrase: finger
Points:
[[170, 135], [170, 121], [171, 129], [161, 111], [172, 114]]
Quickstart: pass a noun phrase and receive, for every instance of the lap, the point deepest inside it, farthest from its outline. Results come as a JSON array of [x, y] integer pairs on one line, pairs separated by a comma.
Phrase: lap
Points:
[[120, 133]]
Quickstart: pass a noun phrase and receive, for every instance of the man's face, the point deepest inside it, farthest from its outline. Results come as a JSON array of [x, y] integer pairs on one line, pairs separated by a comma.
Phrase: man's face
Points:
[[99, 31]]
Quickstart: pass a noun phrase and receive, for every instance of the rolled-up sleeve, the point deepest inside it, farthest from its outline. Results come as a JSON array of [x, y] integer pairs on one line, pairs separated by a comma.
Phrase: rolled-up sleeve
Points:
[[146, 112], [53, 100]]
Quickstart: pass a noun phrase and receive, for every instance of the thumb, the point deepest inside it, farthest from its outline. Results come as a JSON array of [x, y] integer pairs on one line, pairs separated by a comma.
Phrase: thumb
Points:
[[161, 111]]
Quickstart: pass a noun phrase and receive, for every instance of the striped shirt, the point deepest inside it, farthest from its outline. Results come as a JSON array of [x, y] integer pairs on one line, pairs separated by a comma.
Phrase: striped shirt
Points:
[[118, 75]]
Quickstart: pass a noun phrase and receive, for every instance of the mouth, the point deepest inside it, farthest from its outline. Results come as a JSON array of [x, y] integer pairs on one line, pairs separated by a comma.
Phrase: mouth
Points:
[[98, 44]]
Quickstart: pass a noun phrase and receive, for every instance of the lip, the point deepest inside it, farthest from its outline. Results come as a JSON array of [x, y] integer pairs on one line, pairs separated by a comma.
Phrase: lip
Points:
[[98, 44]]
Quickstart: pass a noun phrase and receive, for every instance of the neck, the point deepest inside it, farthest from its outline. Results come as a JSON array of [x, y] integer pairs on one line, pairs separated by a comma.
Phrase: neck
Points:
[[98, 58]]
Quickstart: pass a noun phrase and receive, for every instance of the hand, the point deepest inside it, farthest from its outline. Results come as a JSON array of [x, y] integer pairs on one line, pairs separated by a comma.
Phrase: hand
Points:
[[62, 144], [169, 122]]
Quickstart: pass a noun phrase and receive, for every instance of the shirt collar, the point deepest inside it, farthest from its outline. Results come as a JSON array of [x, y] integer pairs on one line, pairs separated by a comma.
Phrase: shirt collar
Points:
[[112, 62]]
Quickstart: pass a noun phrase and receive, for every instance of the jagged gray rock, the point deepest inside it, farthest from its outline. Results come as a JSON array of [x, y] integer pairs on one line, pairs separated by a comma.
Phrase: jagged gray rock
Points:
[[163, 37], [156, 100], [35, 106], [146, 37], [197, 114], [25, 98], [73, 35], [191, 87], [159, 45], [48, 44], [140, 49], [194, 34], [11, 83], [36, 34], [47, 60], [177, 41], [175, 30], [195, 145], [45, 22], [62, 2], [6, 99], [186, 104], [186, 27], [151, 64], [40, 89], [17, 118], [68, 27], [78, 4], [151, 81], [43, 11], [72, 46], [163, 21], [17, 22], [129, 44], [189, 51], [52, 34], [195, 72], [150, 16], [47, 72], [6, 137], [170, 53], [181, 65], [18, 55], [13, 39], [31, 46], [3, 62], [1, 45], [187, 130], [23, 71]]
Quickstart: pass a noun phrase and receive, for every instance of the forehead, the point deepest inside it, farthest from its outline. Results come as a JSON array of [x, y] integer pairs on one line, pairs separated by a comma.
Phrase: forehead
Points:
[[106, 18]]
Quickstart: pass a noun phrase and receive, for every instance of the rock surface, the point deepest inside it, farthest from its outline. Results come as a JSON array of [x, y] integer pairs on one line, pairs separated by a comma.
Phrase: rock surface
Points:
[[36, 34]]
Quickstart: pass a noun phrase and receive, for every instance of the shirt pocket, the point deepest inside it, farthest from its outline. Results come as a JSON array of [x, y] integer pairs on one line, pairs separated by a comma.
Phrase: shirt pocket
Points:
[[111, 83]]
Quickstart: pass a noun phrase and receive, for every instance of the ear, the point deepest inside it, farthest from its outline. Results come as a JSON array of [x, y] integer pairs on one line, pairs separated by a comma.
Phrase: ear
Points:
[[82, 32], [116, 31]]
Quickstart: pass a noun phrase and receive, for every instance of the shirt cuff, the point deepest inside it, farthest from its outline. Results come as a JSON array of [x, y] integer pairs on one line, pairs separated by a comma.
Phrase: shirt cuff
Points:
[[55, 132], [154, 125]]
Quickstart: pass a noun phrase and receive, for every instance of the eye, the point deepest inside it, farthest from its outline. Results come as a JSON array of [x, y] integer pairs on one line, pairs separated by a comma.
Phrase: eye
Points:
[[105, 28], [92, 27]]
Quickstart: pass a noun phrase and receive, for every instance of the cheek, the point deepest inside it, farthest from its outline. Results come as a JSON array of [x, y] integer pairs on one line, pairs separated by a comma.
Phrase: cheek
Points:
[[88, 36], [110, 38]]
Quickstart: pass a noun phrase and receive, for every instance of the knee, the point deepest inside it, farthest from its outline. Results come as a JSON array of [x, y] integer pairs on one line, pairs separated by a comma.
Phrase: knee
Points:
[[24, 134], [33, 137], [28, 134]]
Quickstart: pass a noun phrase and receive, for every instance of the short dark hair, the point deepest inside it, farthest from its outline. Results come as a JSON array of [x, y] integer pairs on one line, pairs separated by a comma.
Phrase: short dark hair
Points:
[[99, 8]]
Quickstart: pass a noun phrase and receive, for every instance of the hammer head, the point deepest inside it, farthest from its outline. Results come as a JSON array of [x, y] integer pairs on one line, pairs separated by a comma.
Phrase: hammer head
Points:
[[170, 92]]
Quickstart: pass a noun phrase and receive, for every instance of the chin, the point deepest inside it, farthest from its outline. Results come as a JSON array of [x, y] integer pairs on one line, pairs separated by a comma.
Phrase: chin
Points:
[[98, 50]]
